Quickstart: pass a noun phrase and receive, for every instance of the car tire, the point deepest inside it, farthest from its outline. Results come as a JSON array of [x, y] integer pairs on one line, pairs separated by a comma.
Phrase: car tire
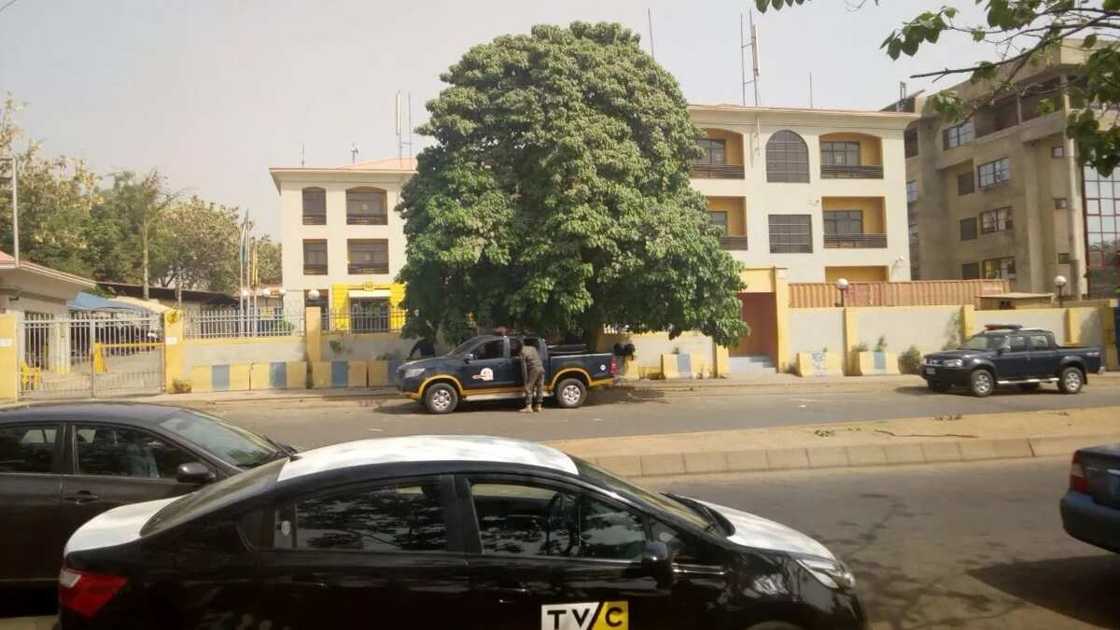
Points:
[[940, 388], [982, 383], [570, 393], [774, 625], [1028, 387], [441, 398], [1070, 380]]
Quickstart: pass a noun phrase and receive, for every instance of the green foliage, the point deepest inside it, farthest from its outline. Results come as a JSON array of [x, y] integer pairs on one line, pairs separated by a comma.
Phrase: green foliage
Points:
[[881, 344], [910, 362], [556, 195], [860, 347], [268, 261]]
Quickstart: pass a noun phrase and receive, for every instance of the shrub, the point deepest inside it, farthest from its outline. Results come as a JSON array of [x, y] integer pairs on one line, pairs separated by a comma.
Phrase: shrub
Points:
[[910, 362], [881, 345], [860, 347], [181, 386]]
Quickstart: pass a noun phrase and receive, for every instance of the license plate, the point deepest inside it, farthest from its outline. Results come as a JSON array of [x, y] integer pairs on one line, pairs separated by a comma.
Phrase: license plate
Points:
[[930, 370]]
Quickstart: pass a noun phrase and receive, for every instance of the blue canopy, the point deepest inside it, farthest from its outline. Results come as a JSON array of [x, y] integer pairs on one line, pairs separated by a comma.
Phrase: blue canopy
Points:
[[91, 302]]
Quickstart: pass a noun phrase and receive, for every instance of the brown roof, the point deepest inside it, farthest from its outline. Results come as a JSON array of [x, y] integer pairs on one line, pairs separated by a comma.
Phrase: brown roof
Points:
[[387, 164]]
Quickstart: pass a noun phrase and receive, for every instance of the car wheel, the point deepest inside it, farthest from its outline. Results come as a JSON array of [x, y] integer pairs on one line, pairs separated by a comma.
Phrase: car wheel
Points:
[[774, 625], [1070, 380], [570, 393], [982, 383], [441, 398], [938, 387], [1028, 387]]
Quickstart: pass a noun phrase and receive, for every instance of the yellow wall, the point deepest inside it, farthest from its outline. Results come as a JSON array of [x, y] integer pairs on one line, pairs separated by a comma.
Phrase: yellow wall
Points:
[[856, 274], [871, 207], [870, 148], [733, 142], [9, 358], [736, 209]]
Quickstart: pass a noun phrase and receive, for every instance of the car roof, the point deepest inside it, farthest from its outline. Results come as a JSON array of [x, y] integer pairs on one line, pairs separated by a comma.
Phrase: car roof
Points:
[[426, 448], [123, 412]]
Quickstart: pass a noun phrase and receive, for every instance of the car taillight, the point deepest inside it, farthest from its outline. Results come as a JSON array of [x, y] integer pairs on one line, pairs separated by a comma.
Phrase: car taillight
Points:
[[86, 593], [1077, 480], [614, 365]]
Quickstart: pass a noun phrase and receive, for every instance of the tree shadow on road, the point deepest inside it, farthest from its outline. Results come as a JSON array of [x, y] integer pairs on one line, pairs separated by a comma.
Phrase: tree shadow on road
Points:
[[1082, 588]]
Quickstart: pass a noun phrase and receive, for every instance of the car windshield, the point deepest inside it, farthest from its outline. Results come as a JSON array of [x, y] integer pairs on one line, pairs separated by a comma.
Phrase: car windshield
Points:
[[614, 484], [214, 497], [464, 347], [984, 342], [229, 443]]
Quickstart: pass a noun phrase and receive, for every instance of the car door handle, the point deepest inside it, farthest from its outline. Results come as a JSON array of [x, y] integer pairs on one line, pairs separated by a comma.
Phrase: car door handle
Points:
[[511, 593], [80, 497], [316, 581]]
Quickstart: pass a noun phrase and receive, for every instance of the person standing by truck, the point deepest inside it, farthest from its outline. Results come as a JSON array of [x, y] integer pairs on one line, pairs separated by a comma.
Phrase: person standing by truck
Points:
[[532, 372]]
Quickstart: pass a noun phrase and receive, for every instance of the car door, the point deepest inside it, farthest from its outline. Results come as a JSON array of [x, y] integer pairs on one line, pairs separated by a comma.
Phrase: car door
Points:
[[1044, 358], [489, 368], [366, 555], [1015, 361], [30, 488], [551, 556]]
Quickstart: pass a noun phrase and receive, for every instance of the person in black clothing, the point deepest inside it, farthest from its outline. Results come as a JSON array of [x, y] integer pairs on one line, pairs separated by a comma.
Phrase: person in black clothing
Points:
[[425, 346], [532, 373]]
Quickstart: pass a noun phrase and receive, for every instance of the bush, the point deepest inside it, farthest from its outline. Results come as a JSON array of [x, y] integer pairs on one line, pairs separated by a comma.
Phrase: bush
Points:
[[181, 386], [910, 362], [881, 345], [860, 347]]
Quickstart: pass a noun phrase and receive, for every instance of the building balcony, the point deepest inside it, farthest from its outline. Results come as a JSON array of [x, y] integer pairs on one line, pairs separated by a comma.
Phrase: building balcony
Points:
[[738, 243], [366, 268], [855, 241], [716, 171], [314, 219], [832, 171], [314, 270], [367, 219]]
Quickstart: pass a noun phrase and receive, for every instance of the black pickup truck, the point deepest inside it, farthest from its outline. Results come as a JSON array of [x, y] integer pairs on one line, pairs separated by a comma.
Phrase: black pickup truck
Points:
[[1011, 355], [488, 367]]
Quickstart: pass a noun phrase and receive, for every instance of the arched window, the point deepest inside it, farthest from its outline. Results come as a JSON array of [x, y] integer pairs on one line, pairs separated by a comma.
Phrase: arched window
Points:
[[314, 206], [366, 206], [787, 158]]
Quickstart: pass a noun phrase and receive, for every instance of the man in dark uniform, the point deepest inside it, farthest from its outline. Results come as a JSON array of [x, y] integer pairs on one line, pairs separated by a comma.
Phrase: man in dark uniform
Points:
[[425, 346], [532, 372]]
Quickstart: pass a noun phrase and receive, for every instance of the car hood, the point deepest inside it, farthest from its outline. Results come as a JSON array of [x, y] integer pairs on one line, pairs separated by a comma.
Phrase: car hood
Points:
[[760, 533], [430, 362], [954, 354], [117, 526]]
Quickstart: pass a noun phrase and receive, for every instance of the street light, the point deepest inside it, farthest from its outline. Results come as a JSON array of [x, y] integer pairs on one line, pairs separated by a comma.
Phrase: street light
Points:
[[313, 295], [842, 284], [1060, 283]]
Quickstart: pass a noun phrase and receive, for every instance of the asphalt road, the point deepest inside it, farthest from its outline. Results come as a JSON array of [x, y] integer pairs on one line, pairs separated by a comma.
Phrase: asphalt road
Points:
[[641, 412]]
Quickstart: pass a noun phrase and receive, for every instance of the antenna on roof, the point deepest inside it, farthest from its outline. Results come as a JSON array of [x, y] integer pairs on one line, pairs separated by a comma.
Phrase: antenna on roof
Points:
[[901, 96], [403, 126], [649, 17], [752, 43], [353, 153], [302, 154], [810, 90]]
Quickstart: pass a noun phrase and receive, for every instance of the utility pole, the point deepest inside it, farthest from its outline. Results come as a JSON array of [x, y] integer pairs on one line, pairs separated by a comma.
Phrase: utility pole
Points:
[[15, 207], [649, 17], [753, 45], [810, 90]]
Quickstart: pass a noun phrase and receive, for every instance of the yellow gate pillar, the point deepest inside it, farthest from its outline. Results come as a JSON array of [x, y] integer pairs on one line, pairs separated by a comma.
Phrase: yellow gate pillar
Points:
[[313, 333], [9, 358], [172, 349]]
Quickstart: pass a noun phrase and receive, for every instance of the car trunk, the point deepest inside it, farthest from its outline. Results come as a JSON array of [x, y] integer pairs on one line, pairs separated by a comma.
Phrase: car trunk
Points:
[[1102, 472]]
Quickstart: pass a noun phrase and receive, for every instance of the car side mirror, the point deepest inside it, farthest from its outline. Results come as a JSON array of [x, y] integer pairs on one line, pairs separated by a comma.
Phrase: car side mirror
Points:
[[468, 357], [1002, 349], [657, 562], [194, 472]]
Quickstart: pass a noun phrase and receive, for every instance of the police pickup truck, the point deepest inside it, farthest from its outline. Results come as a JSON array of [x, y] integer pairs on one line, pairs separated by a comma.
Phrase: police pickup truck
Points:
[[1011, 355], [488, 367]]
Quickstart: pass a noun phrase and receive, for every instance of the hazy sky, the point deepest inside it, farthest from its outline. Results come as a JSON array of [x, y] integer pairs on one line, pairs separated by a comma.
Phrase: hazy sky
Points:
[[213, 92]]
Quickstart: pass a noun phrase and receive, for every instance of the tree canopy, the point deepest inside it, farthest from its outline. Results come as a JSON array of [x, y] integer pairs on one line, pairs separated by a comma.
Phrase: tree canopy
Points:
[[556, 195]]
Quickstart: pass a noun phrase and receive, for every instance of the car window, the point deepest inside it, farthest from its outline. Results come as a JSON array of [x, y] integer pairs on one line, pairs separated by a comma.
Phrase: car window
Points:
[[490, 350], [530, 520], [398, 517], [1040, 342], [121, 452], [232, 444], [684, 548], [27, 448], [1018, 343]]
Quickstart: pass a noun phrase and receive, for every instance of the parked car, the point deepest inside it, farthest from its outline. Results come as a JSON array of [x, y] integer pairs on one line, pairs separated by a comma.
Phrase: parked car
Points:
[[61, 465], [1011, 355], [488, 367], [1091, 507], [446, 532]]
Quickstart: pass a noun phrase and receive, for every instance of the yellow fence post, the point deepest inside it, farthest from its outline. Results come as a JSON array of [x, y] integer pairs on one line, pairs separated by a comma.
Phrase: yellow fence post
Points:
[[313, 335], [850, 359], [10, 372], [968, 321], [1073, 332], [1108, 335], [172, 349]]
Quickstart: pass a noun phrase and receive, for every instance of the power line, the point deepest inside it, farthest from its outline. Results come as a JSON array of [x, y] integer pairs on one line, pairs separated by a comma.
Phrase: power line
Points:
[[8, 4]]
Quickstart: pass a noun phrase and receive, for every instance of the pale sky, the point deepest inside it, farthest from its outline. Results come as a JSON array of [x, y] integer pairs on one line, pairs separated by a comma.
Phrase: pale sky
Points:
[[214, 92]]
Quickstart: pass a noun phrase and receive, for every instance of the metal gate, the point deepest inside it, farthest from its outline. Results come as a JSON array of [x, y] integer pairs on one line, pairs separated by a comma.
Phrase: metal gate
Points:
[[90, 355]]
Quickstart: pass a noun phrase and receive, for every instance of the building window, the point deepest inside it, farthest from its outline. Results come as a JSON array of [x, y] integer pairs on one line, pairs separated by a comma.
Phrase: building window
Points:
[[840, 153], [315, 258], [1064, 258], [367, 256], [787, 158], [366, 206], [314, 206], [1061, 203], [999, 268], [970, 271], [968, 229], [1102, 232], [791, 234], [910, 141], [715, 151], [998, 220], [992, 173], [719, 219], [957, 135], [841, 222], [1057, 151], [965, 183], [911, 191]]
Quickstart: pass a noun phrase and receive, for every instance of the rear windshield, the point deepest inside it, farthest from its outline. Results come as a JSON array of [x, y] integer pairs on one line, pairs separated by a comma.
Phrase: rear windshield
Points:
[[984, 342], [232, 444], [214, 497]]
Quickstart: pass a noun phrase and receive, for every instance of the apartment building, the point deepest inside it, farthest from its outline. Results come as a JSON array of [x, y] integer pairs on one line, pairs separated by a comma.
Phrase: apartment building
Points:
[[1001, 195], [342, 243]]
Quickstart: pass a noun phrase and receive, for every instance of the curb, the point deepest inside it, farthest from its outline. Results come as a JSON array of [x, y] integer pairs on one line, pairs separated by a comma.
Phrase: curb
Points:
[[855, 456]]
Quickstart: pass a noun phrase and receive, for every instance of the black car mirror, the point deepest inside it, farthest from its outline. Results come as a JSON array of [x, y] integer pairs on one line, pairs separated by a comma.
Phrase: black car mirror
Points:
[[468, 357], [194, 472], [656, 561], [1002, 349]]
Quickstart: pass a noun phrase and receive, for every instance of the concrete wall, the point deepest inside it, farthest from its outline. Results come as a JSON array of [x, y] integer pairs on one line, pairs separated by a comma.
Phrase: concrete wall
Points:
[[365, 347], [813, 329], [204, 352], [927, 327], [1048, 318], [649, 347], [1087, 326]]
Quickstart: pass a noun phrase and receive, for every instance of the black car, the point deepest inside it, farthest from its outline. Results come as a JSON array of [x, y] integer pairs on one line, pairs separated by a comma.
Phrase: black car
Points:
[[445, 532], [1091, 507], [1011, 355], [61, 465]]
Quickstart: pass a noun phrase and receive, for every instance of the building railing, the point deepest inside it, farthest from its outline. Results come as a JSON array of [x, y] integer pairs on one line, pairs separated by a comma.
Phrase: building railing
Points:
[[364, 319], [716, 171], [361, 268], [733, 242], [367, 219], [216, 323], [314, 218], [834, 171], [314, 270], [855, 241]]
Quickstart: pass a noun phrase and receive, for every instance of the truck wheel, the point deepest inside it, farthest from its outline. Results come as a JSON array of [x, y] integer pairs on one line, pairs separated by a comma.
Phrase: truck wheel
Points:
[[570, 393], [940, 388], [982, 383], [441, 398], [1070, 380]]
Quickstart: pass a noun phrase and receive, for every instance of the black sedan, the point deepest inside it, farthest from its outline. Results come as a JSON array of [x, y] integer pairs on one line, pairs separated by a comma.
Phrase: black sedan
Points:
[[1091, 508], [445, 532], [61, 465]]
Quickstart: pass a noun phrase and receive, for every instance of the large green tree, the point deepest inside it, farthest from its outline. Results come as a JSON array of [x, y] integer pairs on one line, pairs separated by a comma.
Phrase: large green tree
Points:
[[126, 225], [556, 195], [197, 246]]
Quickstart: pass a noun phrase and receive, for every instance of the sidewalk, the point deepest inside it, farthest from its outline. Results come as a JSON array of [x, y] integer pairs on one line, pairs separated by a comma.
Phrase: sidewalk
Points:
[[867, 443]]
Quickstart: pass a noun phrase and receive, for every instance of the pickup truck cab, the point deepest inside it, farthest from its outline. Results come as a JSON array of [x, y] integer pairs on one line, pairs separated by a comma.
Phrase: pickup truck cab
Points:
[[488, 367], [1011, 354]]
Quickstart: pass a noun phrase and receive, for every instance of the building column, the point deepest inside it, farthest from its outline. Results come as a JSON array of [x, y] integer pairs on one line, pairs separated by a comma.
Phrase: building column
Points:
[[850, 359], [1031, 265], [172, 349], [313, 334], [781, 319], [968, 321]]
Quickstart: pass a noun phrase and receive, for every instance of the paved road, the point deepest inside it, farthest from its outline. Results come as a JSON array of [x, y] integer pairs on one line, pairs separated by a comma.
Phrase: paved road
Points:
[[956, 546], [625, 412]]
